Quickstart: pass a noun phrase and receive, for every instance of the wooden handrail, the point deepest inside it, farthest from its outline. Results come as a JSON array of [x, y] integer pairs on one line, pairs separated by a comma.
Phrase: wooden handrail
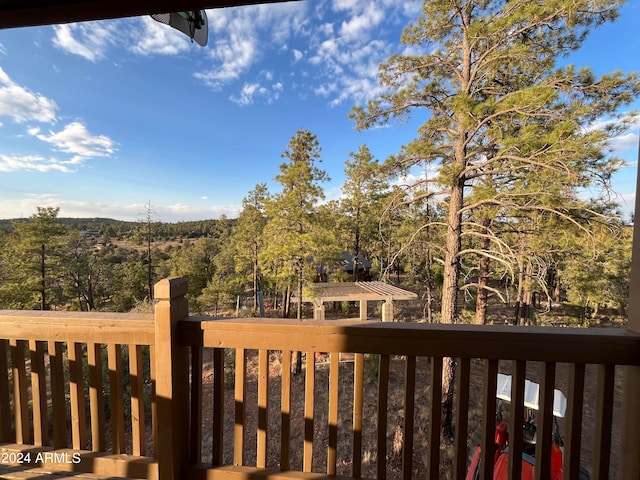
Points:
[[608, 346], [78, 327]]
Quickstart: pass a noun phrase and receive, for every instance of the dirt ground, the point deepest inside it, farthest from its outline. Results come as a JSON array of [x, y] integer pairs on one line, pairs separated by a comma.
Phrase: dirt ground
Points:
[[394, 416]]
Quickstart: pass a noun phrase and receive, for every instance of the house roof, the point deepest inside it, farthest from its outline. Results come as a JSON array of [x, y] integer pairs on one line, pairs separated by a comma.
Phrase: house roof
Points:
[[24, 13], [354, 291]]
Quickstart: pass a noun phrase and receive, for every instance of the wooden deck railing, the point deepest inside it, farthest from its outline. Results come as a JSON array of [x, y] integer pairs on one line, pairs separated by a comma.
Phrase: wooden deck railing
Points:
[[62, 385], [225, 404]]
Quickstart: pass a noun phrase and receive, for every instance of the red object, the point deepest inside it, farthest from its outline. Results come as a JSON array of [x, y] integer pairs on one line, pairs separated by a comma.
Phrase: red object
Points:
[[501, 459], [501, 468], [475, 463], [502, 437]]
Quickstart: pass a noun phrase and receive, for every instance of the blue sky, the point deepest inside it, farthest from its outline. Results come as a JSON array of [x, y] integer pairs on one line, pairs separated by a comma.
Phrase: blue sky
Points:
[[101, 118]]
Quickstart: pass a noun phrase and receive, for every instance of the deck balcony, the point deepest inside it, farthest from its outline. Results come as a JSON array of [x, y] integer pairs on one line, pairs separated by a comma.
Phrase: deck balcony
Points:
[[177, 396]]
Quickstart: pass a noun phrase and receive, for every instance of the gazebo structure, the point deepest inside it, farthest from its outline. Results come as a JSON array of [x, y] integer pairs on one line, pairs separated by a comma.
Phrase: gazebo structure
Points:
[[363, 292]]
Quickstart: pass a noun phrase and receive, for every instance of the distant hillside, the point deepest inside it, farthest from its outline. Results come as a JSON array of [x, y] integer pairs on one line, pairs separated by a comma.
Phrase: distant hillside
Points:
[[84, 224], [118, 228]]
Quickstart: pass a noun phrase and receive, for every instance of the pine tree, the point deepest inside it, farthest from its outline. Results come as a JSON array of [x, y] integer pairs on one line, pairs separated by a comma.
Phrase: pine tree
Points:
[[298, 239], [248, 239], [486, 75], [364, 192], [295, 236], [35, 255]]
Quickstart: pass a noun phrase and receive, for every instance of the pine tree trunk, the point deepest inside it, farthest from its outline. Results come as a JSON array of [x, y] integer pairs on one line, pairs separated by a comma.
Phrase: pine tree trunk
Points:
[[90, 300], [255, 279], [556, 287], [286, 297], [429, 289], [449, 309], [520, 295], [482, 296], [484, 266], [525, 304], [43, 283]]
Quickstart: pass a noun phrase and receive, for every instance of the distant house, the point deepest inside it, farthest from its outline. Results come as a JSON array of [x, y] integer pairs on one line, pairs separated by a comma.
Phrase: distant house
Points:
[[356, 265]]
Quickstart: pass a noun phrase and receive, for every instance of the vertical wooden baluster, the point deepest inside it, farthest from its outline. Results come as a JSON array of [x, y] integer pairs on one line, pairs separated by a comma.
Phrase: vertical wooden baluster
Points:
[[59, 413], [39, 394], [309, 401], [573, 430], [218, 406], [20, 392], [463, 375], [285, 411], [488, 419], [241, 400], [154, 399], [195, 430], [5, 397], [544, 430], [435, 425], [76, 396], [334, 385], [96, 398], [116, 397], [136, 376], [604, 418], [516, 420], [358, 389], [383, 391], [263, 407], [409, 407]]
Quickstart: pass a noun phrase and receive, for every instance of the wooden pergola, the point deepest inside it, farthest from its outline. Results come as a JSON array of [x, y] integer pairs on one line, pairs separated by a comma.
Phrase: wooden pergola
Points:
[[362, 292]]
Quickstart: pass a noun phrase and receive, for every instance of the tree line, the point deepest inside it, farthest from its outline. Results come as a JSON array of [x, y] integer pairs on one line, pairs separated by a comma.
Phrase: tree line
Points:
[[285, 240]]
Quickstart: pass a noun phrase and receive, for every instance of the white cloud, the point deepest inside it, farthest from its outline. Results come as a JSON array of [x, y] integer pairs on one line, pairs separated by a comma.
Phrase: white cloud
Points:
[[157, 39], [232, 57], [74, 138], [240, 37], [21, 104], [184, 212], [141, 36], [361, 24], [33, 163], [251, 91], [349, 55], [25, 206], [3, 50], [625, 140], [89, 40], [344, 4], [341, 41]]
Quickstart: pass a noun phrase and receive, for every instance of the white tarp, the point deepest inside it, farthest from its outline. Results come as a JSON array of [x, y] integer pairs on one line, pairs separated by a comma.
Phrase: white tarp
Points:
[[531, 393]]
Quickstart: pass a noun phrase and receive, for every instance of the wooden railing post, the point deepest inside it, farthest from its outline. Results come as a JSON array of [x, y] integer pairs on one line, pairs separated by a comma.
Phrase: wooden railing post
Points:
[[172, 378], [631, 398]]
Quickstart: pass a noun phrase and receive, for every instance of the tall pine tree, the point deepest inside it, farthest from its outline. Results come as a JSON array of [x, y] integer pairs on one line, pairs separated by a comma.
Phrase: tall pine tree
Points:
[[486, 75]]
